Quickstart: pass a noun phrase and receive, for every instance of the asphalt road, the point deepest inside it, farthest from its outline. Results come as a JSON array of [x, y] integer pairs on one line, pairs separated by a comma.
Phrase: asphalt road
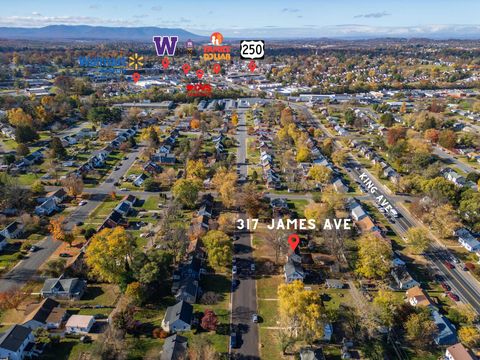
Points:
[[462, 282], [450, 159], [244, 295], [27, 269]]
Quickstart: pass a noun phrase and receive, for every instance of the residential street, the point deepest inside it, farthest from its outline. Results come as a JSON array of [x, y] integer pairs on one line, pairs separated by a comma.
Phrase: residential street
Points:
[[244, 297], [27, 268]]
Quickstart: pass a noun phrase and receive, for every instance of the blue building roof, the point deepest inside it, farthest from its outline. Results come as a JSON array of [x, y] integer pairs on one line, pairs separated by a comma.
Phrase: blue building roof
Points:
[[447, 334]]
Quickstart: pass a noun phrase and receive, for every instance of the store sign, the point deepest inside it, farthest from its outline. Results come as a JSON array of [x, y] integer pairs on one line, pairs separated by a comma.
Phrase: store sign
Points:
[[199, 90], [252, 49], [165, 44], [216, 52]]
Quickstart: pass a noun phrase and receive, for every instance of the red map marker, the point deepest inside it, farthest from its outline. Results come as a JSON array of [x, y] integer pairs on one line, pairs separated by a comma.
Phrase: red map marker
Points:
[[135, 77], [186, 68], [200, 73], [252, 66], [165, 62], [216, 68], [293, 240]]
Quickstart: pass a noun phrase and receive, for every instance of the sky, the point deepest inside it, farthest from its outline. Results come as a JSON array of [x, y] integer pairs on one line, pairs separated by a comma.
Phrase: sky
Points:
[[270, 18]]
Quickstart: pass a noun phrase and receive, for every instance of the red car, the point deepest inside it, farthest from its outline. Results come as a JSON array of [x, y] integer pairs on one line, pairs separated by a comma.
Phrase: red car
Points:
[[453, 296], [449, 265], [445, 286]]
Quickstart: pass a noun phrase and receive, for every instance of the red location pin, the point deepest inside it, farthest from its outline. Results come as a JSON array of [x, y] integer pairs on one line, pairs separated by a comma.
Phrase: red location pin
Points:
[[252, 66], [165, 62], [200, 73], [186, 68], [136, 77], [293, 240], [216, 68]]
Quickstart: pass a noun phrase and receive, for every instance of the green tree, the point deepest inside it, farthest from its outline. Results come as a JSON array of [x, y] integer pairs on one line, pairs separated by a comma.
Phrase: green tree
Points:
[[320, 174], [22, 150], [420, 329], [374, 256], [219, 248], [418, 239], [387, 119], [186, 191], [37, 187], [25, 134], [447, 139], [57, 148]]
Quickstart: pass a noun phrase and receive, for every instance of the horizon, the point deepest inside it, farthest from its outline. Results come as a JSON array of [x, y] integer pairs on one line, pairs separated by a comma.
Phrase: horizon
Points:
[[304, 19]]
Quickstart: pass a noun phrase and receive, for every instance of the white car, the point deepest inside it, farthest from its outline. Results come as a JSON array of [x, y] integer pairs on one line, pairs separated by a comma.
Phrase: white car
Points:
[[252, 266], [83, 202], [123, 189], [255, 318], [234, 269]]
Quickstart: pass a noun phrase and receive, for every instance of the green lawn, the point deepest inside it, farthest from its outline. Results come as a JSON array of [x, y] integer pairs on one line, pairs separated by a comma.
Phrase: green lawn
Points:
[[267, 286], [67, 349]]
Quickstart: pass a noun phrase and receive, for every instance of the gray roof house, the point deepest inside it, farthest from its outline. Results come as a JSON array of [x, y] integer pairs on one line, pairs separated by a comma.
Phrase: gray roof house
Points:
[[178, 317], [467, 240], [403, 278], [47, 208], [12, 230], [293, 270], [59, 288], [188, 290], [16, 342], [174, 348], [447, 334]]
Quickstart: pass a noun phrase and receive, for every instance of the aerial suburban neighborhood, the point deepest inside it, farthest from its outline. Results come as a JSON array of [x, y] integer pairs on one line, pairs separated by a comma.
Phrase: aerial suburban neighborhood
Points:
[[172, 194]]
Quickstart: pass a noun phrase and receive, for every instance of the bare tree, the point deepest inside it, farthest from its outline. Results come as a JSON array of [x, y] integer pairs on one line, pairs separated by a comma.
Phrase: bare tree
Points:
[[277, 238]]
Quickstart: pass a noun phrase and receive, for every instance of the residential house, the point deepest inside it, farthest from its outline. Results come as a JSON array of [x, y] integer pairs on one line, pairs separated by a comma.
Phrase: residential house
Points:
[[174, 348], [13, 230], [167, 160], [446, 332], [58, 195], [340, 186], [416, 296], [458, 352], [188, 290], [178, 317], [403, 278], [79, 324], [16, 343], [311, 354], [279, 207], [152, 168], [123, 208], [357, 212], [47, 208], [293, 269], [467, 240], [60, 288], [140, 179], [47, 314], [327, 332], [454, 177], [114, 219], [130, 199], [334, 284], [365, 224]]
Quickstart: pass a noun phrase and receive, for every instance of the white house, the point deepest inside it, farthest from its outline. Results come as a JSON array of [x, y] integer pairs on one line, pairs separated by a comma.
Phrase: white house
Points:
[[178, 317], [458, 352], [16, 342], [467, 240], [79, 324]]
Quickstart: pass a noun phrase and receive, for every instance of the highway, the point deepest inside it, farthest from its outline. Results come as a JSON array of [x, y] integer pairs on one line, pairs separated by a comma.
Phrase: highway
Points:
[[244, 295], [462, 282]]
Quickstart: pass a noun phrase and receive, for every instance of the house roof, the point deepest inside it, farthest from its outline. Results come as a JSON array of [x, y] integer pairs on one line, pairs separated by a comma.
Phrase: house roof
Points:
[[292, 267], [188, 287], [365, 224], [174, 348], [459, 352], [311, 354], [180, 311], [446, 331], [72, 285], [79, 321], [421, 296], [130, 198], [41, 311], [14, 337], [115, 216], [58, 193], [123, 206], [12, 227]]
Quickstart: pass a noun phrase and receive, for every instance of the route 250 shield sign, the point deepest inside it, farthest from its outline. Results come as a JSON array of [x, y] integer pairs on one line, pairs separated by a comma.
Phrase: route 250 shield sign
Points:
[[252, 49]]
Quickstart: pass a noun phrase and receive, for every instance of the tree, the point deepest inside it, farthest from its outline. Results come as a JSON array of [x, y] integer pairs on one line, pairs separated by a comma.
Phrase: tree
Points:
[[225, 182], [37, 187], [447, 139], [195, 124], [218, 247], [374, 256], [234, 119], [209, 321], [350, 117], [387, 119], [387, 304], [55, 267], [25, 134], [303, 154], [73, 185], [57, 230], [124, 319], [109, 252], [286, 117], [440, 189], [469, 208], [394, 134], [420, 329], [431, 135], [150, 185], [22, 150], [469, 336], [196, 169], [317, 211], [339, 157], [320, 174], [135, 292], [250, 199], [418, 239], [18, 117], [186, 191], [57, 148], [277, 238], [301, 310]]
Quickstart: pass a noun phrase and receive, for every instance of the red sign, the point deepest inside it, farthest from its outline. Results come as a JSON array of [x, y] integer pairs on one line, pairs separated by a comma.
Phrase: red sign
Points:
[[199, 90]]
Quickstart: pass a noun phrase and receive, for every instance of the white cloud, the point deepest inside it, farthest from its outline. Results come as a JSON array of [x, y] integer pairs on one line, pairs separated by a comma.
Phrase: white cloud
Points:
[[38, 20], [373, 15]]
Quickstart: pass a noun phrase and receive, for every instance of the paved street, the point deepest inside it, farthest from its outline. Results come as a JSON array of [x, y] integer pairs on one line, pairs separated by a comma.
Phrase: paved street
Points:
[[244, 297], [450, 159], [27, 268]]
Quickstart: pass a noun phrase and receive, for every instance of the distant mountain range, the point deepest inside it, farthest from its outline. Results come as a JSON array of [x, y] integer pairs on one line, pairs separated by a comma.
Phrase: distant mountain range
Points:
[[86, 32]]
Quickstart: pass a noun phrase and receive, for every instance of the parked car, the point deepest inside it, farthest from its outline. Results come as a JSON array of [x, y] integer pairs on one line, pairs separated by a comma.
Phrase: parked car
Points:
[[233, 340], [449, 265], [445, 286], [453, 296], [79, 223], [65, 255], [255, 318], [33, 248], [234, 269], [252, 267], [83, 202]]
